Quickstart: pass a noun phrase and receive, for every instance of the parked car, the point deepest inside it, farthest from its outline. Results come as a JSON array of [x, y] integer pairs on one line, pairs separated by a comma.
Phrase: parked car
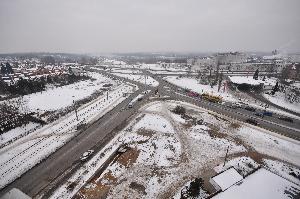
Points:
[[86, 155], [287, 119], [249, 108], [252, 121]]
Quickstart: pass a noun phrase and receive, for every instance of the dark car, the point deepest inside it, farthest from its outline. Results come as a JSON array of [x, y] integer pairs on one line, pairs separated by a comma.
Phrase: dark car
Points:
[[252, 121], [287, 119], [249, 108], [259, 114]]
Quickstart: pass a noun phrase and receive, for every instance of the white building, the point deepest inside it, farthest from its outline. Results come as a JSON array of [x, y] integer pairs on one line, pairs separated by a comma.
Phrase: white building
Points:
[[201, 63], [231, 57], [170, 65]]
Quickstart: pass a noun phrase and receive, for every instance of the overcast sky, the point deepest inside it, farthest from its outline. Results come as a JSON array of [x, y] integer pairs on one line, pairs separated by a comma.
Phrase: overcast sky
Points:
[[97, 26]]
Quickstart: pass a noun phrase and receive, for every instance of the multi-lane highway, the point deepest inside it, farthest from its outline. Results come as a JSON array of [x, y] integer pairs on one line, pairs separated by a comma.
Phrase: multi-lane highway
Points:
[[66, 160], [274, 124], [47, 175]]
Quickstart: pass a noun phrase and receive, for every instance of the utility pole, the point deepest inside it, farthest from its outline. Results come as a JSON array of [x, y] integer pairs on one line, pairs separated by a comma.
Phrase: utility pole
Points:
[[75, 110], [226, 156], [107, 96], [145, 82]]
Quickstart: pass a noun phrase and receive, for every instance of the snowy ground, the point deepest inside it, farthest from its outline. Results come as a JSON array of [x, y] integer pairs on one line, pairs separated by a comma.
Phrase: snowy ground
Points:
[[157, 67], [270, 82], [138, 78], [296, 85], [193, 84], [168, 151], [244, 165], [60, 97], [279, 99], [17, 132], [26, 152], [228, 95], [125, 71]]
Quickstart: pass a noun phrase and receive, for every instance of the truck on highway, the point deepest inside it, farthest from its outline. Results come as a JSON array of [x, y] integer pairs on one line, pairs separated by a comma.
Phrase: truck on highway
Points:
[[137, 98], [211, 98]]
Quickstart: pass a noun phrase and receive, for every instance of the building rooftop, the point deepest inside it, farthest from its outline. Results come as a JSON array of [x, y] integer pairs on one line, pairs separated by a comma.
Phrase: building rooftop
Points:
[[260, 185], [227, 178]]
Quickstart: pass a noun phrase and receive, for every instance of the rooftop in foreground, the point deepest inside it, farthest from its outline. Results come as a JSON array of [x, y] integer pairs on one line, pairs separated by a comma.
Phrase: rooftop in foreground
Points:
[[260, 185]]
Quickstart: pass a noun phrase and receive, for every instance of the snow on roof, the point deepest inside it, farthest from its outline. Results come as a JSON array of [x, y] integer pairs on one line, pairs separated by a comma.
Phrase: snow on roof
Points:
[[260, 185], [227, 178], [15, 194], [244, 80]]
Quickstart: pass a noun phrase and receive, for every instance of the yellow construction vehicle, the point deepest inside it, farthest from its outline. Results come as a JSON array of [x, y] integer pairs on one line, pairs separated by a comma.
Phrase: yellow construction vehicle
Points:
[[211, 98]]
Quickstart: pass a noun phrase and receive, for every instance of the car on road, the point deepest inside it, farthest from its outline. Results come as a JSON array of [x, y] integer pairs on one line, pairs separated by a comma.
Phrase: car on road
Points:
[[287, 119], [259, 114], [267, 113], [237, 105], [193, 94], [140, 97], [233, 105], [249, 108], [252, 121], [86, 155]]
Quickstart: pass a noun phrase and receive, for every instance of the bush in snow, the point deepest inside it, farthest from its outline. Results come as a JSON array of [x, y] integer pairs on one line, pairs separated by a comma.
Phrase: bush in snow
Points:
[[292, 95], [179, 110], [194, 190]]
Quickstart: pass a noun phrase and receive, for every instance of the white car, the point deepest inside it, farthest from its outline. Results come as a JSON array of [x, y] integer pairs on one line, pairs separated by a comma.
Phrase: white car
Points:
[[123, 148], [86, 155]]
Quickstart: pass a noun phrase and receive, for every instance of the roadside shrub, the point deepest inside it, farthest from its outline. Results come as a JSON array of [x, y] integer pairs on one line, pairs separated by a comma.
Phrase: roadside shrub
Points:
[[179, 110], [235, 125]]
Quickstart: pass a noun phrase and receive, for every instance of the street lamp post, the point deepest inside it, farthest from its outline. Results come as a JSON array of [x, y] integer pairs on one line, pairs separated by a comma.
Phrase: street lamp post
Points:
[[75, 110]]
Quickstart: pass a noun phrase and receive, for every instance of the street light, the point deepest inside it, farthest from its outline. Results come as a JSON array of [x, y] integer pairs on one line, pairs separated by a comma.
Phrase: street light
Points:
[[75, 109]]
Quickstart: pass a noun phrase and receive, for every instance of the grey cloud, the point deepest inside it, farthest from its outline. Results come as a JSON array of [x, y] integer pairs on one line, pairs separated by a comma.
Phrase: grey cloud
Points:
[[148, 25]]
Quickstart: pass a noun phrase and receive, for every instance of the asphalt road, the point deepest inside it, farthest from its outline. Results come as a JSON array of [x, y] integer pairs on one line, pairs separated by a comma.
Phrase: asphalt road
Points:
[[96, 136], [45, 175], [259, 97], [274, 124]]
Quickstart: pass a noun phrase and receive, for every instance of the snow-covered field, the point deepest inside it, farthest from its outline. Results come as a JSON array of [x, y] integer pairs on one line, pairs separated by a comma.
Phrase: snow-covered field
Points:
[[279, 99], [251, 81], [17, 132], [139, 78], [60, 97], [167, 151], [26, 152], [193, 84], [125, 71], [157, 67]]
